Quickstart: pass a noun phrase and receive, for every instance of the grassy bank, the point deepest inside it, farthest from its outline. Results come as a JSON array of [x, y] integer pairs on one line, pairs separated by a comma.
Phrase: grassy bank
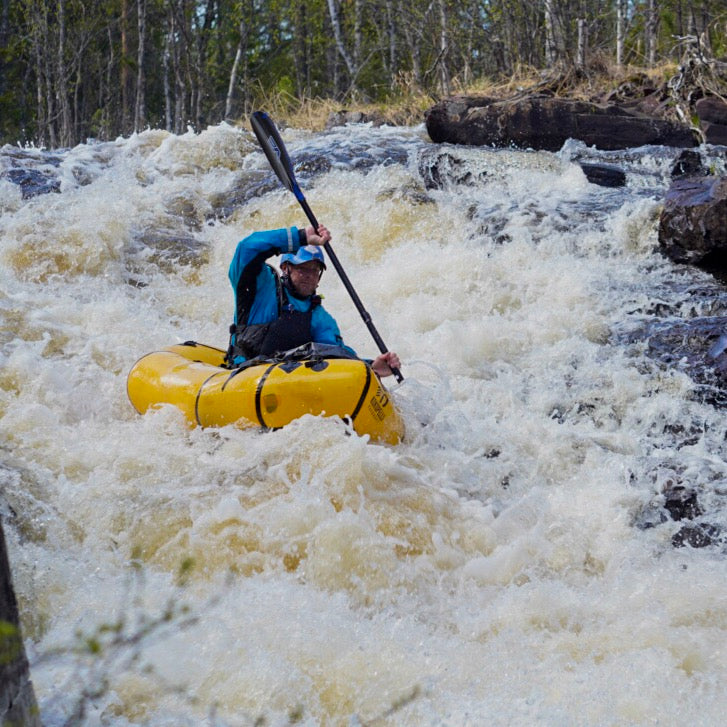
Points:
[[407, 105]]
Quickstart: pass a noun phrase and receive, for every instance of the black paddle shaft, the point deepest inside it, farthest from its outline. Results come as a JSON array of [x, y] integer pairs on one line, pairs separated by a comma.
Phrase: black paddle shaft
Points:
[[277, 155]]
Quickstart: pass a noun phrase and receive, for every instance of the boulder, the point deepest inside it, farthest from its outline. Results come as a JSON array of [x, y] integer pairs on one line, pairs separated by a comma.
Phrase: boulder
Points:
[[697, 346], [605, 175], [712, 113], [545, 122], [343, 117], [32, 182], [711, 108], [688, 163], [714, 133], [693, 223], [440, 169]]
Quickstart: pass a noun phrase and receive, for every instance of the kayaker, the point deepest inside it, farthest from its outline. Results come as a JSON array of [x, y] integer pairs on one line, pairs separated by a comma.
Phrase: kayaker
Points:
[[278, 312]]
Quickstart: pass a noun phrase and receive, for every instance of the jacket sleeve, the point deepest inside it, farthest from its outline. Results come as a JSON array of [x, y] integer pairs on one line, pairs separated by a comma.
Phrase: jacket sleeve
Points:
[[325, 330], [255, 249], [247, 271]]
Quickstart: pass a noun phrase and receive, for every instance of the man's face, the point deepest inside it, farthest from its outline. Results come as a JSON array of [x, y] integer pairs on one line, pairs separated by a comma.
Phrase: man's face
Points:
[[304, 277]]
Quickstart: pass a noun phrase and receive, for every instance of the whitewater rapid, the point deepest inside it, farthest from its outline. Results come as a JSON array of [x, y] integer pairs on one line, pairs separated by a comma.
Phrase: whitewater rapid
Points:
[[511, 563]]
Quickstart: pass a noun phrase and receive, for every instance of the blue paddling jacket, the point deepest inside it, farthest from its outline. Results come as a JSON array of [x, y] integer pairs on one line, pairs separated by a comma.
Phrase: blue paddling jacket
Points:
[[269, 317]]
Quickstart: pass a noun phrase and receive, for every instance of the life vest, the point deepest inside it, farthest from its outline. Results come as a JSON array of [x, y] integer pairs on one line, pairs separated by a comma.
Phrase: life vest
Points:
[[292, 328]]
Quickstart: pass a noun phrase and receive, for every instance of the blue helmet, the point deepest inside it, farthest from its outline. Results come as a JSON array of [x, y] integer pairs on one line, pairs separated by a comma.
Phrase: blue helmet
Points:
[[309, 252]]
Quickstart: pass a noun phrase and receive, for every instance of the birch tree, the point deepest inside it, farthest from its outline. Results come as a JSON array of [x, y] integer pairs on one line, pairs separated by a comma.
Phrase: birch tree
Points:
[[70, 69], [240, 54], [620, 31], [650, 31], [66, 130], [444, 75], [346, 55], [140, 106]]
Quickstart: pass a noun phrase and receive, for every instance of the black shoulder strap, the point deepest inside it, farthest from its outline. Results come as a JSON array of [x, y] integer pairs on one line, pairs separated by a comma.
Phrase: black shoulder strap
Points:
[[279, 289], [245, 298]]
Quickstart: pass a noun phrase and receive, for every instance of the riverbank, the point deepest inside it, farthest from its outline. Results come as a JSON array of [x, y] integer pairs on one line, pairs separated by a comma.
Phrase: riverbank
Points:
[[410, 105], [689, 96]]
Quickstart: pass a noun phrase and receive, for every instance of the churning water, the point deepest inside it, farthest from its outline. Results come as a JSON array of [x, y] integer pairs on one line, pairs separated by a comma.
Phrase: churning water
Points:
[[511, 563]]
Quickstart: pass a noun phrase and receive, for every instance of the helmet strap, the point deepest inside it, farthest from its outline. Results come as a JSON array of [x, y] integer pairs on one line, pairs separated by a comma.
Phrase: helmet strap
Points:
[[288, 285]]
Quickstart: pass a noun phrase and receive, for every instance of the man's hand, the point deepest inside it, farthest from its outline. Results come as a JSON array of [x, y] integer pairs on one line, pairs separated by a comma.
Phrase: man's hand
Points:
[[384, 362], [319, 237]]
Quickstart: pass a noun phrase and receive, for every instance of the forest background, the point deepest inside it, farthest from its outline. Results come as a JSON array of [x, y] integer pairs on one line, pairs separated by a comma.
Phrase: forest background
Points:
[[71, 70]]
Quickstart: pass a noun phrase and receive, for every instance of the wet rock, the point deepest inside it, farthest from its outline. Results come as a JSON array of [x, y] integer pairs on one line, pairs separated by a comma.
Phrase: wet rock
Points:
[[714, 133], [254, 183], [343, 117], [699, 348], [696, 535], [711, 108], [412, 194], [544, 122], [712, 113], [605, 175], [688, 163], [32, 182], [250, 184], [682, 504], [313, 165], [18, 705], [693, 223], [443, 169], [170, 249], [639, 94]]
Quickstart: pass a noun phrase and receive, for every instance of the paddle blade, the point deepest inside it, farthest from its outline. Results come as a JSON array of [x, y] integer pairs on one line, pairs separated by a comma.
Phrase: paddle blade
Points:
[[275, 150]]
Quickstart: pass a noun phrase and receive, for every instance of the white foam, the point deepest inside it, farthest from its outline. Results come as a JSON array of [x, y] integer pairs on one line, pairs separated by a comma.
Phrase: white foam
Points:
[[487, 571]]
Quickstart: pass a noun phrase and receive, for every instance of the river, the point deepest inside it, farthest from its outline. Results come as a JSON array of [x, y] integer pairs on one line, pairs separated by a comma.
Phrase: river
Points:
[[510, 563]]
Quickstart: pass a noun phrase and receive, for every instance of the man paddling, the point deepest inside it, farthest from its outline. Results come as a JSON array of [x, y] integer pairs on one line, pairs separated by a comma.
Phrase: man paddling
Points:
[[277, 313]]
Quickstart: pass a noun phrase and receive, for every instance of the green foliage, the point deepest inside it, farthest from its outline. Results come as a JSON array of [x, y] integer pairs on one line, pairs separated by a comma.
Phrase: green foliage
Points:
[[10, 643], [109, 83]]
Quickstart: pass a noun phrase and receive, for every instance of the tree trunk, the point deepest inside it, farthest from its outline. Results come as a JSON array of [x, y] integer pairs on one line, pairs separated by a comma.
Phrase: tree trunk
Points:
[[470, 33], [241, 52], [67, 135], [300, 51], [357, 35], [582, 43], [202, 35], [338, 37], [4, 35], [551, 54], [48, 76], [651, 28], [444, 77], [4, 23], [140, 108], [124, 70], [179, 60], [180, 86], [412, 42], [42, 110], [106, 99], [391, 34], [167, 87], [620, 31]]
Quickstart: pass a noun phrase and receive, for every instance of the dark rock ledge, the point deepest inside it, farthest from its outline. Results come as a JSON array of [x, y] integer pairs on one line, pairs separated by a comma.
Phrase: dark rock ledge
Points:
[[545, 122], [17, 699]]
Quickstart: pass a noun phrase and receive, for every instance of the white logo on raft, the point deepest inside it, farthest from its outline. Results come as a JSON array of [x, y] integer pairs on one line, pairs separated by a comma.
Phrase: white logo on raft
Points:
[[378, 403]]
